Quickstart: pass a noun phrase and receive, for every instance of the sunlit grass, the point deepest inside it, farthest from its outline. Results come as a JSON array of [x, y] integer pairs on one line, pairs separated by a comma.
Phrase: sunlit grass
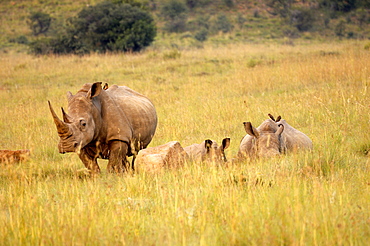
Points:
[[314, 198]]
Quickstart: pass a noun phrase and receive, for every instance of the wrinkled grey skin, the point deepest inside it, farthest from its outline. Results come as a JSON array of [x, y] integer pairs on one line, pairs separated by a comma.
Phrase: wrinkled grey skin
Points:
[[111, 124], [272, 138], [208, 150]]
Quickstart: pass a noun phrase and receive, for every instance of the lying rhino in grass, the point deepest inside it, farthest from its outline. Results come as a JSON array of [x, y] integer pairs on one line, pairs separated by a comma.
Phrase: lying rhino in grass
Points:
[[271, 138], [111, 124], [208, 150], [162, 157]]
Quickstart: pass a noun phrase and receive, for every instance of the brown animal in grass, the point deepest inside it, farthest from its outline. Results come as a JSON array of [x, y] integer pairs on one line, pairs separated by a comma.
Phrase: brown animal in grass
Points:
[[14, 156], [156, 159], [111, 124], [208, 151], [271, 138]]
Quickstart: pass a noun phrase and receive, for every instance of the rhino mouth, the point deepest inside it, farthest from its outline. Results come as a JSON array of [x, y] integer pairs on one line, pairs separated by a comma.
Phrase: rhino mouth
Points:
[[69, 144]]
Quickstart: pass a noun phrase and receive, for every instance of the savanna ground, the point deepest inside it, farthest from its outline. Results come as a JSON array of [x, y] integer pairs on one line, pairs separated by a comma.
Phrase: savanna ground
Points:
[[317, 198]]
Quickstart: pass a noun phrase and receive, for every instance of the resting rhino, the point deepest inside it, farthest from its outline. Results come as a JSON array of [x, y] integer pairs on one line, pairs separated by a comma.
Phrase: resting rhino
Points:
[[158, 158], [208, 150], [272, 137], [111, 124]]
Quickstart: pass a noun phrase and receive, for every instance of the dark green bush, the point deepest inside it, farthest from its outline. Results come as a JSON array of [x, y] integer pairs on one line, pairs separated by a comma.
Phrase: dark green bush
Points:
[[192, 4], [101, 28], [174, 13], [340, 29], [41, 46], [19, 40], [200, 22], [302, 19], [229, 3], [201, 35], [339, 5], [113, 27], [223, 24], [39, 22]]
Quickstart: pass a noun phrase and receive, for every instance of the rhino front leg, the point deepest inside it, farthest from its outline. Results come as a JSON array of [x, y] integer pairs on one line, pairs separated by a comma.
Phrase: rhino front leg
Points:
[[90, 162], [117, 156]]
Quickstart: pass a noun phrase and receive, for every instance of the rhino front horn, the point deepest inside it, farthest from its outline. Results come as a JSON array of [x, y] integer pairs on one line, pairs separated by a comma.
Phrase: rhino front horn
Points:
[[62, 128]]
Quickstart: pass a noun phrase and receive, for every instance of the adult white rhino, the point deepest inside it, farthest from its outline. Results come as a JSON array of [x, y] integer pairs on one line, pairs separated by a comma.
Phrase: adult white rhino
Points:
[[110, 124], [272, 137]]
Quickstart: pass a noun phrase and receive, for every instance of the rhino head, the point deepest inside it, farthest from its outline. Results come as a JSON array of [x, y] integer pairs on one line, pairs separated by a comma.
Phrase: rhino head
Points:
[[266, 142], [215, 153], [80, 126]]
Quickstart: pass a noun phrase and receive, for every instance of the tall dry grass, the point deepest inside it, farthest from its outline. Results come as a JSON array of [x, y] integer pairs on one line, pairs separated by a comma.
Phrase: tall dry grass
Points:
[[318, 198]]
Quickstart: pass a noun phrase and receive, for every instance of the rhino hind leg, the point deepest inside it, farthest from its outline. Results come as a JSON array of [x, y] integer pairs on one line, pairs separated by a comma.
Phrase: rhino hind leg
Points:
[[118, 162]]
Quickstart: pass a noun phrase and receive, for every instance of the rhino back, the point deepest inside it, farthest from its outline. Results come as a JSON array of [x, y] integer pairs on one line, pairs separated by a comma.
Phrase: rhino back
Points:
[[128, 115], [246, 145], [293, 138], [195, 151]]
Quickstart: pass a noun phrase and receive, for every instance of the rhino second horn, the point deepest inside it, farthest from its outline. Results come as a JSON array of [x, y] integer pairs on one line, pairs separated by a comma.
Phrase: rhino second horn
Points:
[[62, 128], [66, 117]]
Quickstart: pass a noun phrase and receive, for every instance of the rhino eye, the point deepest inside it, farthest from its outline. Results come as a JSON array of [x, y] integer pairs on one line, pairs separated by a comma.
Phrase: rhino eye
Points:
[[82, 124]]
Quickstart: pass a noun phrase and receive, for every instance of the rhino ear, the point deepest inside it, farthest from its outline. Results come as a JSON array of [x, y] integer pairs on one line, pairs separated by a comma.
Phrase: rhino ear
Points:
[[69, 96], [280, 130], [225, 143], [95, 90], [106, 86], [208, 144], [251, 130]]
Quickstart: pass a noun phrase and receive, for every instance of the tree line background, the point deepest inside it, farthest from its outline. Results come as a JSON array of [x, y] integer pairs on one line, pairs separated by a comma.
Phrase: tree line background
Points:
[[132, 25]]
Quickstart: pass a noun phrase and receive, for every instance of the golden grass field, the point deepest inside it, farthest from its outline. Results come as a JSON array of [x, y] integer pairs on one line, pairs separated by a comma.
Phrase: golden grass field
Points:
[[316, 198]]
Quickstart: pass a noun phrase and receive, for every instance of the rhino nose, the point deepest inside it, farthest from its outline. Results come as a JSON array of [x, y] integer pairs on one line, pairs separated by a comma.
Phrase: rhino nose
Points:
[[61, 150]]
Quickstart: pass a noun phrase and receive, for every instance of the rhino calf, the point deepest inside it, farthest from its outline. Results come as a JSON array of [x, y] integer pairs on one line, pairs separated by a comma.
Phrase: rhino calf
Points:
[[271, 138], [208, 150], [156, 159], [110, 123]]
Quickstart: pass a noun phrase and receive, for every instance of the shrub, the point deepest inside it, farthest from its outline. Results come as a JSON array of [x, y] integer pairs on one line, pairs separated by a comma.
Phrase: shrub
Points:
[[39, 23], [174, 13], [362, 16], [241, 20], [302, 19], [41, 46], [113, 27], [290, 32], [229, 3], [19, 40], [367, 46], [340, 29], [100, 28], [201, 35], [279, 7], [338, 5], [173, 54], [197, 3], [191, 3], [223, 24], [203, 21], [177, 25]]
